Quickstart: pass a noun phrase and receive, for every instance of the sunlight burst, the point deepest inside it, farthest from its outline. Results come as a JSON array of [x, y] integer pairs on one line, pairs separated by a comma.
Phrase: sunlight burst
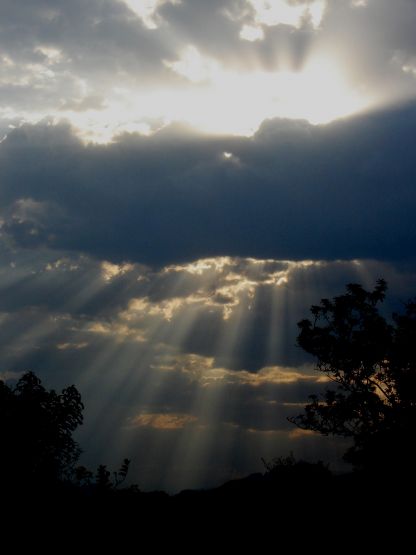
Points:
[[295, 14], [212, 98], [218, 101]]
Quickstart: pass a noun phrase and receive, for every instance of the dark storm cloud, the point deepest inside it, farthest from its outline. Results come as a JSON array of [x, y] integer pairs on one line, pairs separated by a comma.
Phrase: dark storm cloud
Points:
[[294, 191]]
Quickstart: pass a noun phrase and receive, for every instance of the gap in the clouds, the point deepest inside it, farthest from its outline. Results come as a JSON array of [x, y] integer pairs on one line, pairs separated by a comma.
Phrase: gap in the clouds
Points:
[[157, 130], [135, 65]]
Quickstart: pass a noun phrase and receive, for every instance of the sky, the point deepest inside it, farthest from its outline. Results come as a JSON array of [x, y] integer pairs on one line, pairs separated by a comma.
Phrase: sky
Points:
[[179, 181]]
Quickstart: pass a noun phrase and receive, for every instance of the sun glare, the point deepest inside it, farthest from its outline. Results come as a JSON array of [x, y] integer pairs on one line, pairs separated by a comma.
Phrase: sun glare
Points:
[[216, 101], [232, 103]]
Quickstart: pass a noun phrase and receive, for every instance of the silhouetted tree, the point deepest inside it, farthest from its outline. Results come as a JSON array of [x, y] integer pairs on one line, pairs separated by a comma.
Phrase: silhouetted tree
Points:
[[372, 365], [83, 476], [36, 429], [102, 479], [121, 475]]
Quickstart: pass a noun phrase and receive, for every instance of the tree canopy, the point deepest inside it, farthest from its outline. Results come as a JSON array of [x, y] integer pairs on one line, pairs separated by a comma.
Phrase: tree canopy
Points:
[[371, 363], [36, 429]]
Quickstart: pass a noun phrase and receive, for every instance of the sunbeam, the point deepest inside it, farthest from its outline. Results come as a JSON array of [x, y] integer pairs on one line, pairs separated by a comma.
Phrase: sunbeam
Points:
[[180, 182], [197, 361]]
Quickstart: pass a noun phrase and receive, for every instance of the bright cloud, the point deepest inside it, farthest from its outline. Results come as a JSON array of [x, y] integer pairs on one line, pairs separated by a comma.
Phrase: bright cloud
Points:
[[275, 12], [251, 33], [222, 71], [161, 421], [110, 271], [193, 66], [147, 10]]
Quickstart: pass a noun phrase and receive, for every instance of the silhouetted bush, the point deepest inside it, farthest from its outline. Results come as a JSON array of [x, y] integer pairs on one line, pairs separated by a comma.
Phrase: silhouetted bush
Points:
[[283, 468]]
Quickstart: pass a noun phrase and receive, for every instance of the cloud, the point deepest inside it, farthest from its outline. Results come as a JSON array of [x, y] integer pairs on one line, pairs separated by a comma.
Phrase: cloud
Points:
[[110, 65], [294, 14], [294, 191], [188, 382], [162, 269], [162, 421], [275, 375], [179, 317], [148, 10]]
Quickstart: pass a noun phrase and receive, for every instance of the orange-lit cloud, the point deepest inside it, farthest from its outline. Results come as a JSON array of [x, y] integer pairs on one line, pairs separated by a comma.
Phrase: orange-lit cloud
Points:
[[162, 421]]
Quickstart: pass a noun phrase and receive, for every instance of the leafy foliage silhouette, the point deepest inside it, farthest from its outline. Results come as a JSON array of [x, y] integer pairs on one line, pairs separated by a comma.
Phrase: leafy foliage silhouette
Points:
[[103, 479], [372, 364], [38, 449], [283, 468], [36, 429]]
